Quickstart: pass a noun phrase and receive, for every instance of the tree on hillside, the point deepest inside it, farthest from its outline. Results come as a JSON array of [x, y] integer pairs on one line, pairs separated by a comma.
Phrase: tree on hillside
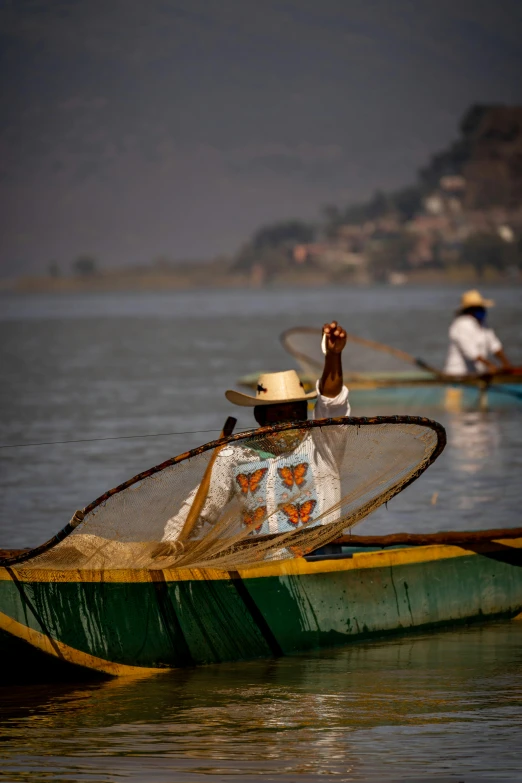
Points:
[[485, 250], [85, 266], [376, 207], [518, 253], [272, 245], [333, 218], [446, 162], [390, 254], [407, 201], [287, 233]]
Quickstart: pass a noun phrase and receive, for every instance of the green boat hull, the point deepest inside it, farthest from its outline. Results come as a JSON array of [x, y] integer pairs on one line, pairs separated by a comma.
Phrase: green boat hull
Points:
[[140, 622]]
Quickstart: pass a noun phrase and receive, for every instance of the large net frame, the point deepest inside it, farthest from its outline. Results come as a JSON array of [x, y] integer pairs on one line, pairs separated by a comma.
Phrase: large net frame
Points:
[[365, 361], [264, 495], [369, 364]]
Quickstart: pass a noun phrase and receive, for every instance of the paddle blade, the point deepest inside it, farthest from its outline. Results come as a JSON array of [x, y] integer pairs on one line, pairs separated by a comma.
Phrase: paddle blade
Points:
[[229, 427]]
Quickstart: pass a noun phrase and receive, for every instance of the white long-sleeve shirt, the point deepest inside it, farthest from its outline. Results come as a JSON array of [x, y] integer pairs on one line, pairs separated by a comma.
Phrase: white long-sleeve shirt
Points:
[[468, 341], [282, 492]]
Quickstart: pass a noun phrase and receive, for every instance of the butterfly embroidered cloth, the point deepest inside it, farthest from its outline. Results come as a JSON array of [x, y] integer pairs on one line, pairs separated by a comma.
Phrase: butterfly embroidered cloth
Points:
[[278, 491]]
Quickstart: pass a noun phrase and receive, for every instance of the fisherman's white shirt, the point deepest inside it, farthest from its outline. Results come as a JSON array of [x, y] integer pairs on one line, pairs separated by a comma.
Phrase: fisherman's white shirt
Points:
[[283, 491], [468, 341]]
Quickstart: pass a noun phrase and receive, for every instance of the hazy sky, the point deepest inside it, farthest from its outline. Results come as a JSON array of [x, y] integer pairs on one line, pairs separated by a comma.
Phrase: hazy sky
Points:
[[131, 129]]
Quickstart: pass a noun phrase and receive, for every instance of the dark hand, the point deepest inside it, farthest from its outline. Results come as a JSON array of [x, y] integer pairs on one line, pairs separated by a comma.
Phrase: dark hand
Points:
[[331, 381], [335, 337]]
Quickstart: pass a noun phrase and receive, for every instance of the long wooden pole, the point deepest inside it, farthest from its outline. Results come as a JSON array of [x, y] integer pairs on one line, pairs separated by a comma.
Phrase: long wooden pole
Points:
[[202, 491], [451, 537]]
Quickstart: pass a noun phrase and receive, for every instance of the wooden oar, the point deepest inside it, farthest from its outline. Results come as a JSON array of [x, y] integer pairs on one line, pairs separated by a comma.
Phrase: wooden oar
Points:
[[168, 548], [456, 538], [483, 381], [202, 491], [453, 537]]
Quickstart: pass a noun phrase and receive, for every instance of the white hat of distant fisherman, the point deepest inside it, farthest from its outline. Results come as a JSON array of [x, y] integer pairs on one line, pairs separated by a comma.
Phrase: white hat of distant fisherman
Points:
[[474, 298], [273, 388]]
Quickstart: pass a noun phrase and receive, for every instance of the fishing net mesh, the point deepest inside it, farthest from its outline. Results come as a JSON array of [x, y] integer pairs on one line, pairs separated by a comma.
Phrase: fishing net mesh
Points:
[[363, 360], [267, 495]]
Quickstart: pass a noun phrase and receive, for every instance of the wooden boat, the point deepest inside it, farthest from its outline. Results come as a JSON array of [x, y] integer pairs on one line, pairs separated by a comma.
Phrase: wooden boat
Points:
[[386, 379], [415, 389], [140, 622]]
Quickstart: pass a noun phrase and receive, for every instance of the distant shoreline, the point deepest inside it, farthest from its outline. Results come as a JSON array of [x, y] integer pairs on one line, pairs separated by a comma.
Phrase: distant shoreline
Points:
[[125, 281]]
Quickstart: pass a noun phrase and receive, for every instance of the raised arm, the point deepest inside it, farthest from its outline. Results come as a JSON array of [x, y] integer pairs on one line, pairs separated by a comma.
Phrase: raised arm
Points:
[[331, 381]]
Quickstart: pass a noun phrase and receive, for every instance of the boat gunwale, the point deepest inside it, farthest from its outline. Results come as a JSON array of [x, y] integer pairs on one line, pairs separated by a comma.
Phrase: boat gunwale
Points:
[[384, 558]]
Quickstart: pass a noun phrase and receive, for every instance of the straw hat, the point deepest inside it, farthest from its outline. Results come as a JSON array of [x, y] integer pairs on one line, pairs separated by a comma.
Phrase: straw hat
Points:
[[474, 298], [273, 388]]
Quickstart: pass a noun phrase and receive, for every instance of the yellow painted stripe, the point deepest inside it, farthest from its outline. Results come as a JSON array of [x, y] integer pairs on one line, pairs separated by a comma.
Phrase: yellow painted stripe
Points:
[[126, 575], [298, 566], [361, 560], [70, 654]]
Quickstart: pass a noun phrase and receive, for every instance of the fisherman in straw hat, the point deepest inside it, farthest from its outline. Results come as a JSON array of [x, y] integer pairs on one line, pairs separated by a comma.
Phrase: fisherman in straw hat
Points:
[[280, 396], [283, 481], [473, 346]]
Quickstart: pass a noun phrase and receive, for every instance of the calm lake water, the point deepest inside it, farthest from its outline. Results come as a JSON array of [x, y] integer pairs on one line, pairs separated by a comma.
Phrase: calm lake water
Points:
[[441, 706]]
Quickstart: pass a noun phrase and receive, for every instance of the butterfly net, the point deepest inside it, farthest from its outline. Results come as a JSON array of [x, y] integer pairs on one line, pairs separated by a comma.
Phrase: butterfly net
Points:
[[269, 494], [364, 361]]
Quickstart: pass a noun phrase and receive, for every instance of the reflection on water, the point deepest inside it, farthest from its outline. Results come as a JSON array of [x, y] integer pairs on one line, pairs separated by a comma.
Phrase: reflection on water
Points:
[[485, 456], [477, 456], [432, 705], [475, 438]]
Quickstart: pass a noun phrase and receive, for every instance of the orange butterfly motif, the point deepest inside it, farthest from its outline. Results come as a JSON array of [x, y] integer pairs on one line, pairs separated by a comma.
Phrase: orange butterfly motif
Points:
[[258, 515], [298, 512], [293, 474], [250, 481]]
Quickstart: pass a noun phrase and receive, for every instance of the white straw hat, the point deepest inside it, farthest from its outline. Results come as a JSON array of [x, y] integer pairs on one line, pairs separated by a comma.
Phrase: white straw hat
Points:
[[273, 388], [474, 298]]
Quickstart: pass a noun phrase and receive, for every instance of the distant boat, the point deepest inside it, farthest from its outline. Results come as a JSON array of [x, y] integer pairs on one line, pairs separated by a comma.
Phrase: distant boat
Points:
[[415, 390], [141, 622], [385, 379]]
